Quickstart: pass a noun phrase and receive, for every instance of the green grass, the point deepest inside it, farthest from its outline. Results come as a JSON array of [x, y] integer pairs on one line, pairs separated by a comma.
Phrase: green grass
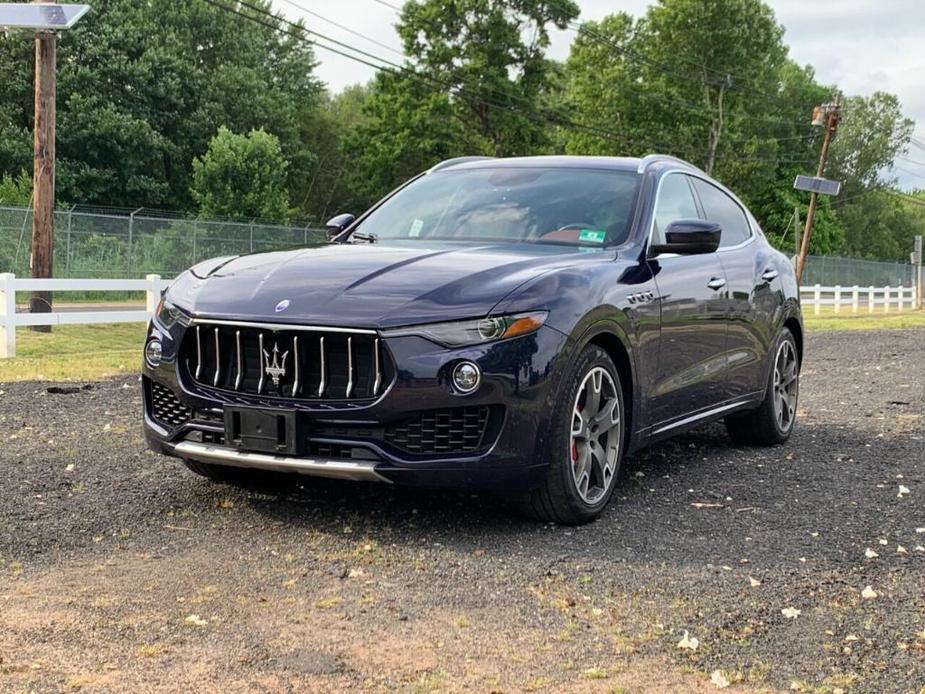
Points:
[[829, 320], [75, 353]]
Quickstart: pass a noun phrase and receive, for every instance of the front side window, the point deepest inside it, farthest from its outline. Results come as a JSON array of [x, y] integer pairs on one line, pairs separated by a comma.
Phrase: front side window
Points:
[[578, 207], [720, 208], [675, 201]]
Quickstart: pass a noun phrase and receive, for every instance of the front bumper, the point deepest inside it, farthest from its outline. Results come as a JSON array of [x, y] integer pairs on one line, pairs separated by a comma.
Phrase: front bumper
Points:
[[353, 440]]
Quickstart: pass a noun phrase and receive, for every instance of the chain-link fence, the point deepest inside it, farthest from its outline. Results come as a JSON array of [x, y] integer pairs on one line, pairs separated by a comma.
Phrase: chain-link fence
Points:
[[115, 243], [850, 272], [112, 243]]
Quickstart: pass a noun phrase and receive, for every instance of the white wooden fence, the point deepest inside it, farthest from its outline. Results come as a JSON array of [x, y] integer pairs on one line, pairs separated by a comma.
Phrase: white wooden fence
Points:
[[848, 299], [855, 299], [152, 286]]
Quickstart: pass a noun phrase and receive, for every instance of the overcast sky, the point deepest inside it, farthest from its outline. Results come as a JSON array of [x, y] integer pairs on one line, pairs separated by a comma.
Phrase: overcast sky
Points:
[[861, 45]]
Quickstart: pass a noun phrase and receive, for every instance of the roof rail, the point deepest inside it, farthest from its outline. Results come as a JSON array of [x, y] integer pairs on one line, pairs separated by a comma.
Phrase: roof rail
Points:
[[650, 159], [456, 160]]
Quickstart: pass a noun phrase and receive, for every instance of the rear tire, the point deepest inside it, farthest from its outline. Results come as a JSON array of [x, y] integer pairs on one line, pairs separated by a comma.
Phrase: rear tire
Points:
[[586, 445], [772, 422]]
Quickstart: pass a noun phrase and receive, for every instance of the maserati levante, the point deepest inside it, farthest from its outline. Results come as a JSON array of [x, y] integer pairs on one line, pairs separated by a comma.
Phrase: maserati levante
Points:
[[517, 325]]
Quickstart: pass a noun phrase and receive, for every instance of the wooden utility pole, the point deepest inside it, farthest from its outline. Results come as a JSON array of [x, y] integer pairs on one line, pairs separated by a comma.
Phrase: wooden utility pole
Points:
[[917, 261], [832, 115], [43, 182]]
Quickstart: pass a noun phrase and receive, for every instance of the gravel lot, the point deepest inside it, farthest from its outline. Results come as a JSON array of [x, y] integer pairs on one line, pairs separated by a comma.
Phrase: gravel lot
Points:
[[121, 571]]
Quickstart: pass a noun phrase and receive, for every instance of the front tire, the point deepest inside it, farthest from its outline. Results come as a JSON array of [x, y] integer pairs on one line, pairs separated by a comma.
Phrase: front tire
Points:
[[772, 422], [586, 445]]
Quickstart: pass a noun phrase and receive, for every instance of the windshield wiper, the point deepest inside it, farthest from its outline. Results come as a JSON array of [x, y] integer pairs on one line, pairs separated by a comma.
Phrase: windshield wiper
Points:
[[369, 238]]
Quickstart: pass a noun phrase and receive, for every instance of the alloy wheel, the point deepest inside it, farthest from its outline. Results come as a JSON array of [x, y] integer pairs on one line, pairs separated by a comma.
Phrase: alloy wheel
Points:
[[786, 385], [595, 435]]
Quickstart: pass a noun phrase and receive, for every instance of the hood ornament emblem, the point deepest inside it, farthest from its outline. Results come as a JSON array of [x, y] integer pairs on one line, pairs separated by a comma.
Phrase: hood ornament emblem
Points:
[[275, 368], [282, 306]]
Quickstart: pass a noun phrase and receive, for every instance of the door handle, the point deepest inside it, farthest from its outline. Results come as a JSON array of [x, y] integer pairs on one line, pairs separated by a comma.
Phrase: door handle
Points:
[[769, 274], [716, 283]]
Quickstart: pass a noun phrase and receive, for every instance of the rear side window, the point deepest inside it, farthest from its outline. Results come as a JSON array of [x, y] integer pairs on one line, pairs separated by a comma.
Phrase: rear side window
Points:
[[720, 208], [675, 201]]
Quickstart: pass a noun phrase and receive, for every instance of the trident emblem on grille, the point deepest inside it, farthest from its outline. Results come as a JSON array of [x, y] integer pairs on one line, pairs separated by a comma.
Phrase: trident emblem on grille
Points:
[[276, 368]]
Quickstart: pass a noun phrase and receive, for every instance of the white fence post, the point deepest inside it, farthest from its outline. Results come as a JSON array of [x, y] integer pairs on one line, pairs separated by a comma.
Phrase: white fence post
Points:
[[7, 315], [854, 299], [870, 299], [837, 298], [886, 299], [817, 299], [152, 293]]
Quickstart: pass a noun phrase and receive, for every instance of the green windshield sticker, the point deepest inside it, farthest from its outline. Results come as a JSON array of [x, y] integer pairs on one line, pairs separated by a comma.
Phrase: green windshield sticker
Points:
[[416, 227], [592, 235]]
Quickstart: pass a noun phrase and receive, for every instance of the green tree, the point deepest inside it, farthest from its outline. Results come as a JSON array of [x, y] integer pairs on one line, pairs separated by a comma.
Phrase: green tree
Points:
[[599, 84], [872, 133], [475, 83], [242, 177], [141, 86], [493, 54], [16, 190], [410, 128], [328, 191]]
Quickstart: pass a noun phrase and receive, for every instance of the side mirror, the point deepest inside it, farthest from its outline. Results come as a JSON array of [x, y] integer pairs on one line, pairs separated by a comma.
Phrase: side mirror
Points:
[[689, 237], [335, 225]]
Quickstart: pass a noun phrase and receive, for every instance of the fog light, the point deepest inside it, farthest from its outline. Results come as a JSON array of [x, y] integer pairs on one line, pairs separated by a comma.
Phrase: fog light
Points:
[[466, 376], [153, 352]]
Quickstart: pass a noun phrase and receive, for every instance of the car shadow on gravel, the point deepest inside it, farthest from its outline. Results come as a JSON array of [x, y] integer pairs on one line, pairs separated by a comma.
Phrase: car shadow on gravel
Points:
[[324, 503]]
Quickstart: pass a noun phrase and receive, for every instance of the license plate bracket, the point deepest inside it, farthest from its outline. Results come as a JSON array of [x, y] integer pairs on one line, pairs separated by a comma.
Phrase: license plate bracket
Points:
[[264, 430]]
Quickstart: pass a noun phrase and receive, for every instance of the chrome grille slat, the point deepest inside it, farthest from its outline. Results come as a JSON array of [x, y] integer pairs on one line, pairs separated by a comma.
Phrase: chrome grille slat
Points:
[[260, 358], [239, 360], [377, 367], [323, 371], [349, 366], [218, 359], [295, 364], [198, 353], [274, 362]]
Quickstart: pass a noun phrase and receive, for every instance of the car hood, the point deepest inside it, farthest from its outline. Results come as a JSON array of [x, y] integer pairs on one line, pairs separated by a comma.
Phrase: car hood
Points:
[[380, 285]]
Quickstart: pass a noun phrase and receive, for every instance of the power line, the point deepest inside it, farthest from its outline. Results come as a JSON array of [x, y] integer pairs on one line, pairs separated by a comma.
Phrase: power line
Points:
[[905, 196], [344, 28], [909, 173], [695, 109], [392, 68], [911, 161]]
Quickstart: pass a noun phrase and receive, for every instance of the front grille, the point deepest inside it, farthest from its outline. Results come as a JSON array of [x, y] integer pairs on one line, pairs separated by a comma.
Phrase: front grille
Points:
[[454, 430], [166, 408], [301, 364]]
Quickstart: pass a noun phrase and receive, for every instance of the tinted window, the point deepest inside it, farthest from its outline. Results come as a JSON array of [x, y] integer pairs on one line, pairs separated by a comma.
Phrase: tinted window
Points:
[[720, 208], [579, 207], [675, 201]]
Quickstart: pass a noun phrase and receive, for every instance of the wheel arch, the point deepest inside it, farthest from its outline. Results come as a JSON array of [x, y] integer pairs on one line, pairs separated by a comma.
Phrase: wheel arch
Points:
[[610, 337], [793, 324]]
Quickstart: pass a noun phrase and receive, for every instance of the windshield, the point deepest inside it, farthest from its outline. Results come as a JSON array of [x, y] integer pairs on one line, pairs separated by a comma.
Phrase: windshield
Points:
[[579, 207]]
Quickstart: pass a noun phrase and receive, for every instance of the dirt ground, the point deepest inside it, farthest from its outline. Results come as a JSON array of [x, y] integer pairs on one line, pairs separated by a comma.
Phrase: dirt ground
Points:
[[795, 568]]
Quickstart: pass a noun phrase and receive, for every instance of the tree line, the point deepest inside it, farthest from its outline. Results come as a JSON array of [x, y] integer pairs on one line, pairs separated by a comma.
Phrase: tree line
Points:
[[213, 107]]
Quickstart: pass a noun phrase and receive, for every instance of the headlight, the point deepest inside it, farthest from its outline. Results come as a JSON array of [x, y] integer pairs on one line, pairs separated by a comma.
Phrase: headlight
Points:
[[473, 332], [168, 315]]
